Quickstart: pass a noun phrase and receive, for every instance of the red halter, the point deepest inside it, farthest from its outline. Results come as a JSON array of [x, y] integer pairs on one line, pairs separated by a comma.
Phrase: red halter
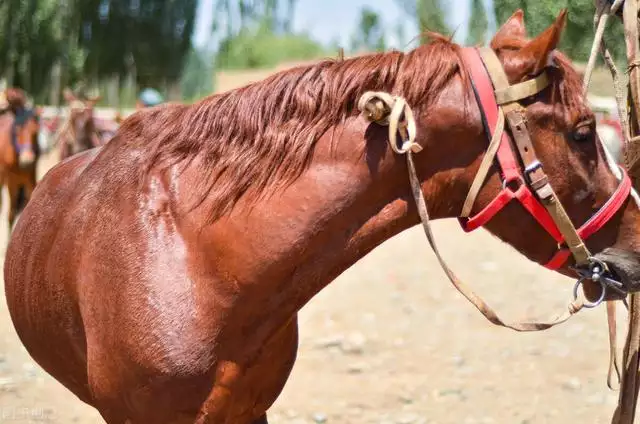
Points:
[[512, 173]]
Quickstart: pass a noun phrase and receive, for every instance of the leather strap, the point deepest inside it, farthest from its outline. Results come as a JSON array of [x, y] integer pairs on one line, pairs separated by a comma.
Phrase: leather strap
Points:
[[522, 90], [597, 221], [485, 166]]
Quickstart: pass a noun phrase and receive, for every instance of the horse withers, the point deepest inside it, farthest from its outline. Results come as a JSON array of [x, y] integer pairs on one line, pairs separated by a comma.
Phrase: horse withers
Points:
[[19, 151], [159, 277]]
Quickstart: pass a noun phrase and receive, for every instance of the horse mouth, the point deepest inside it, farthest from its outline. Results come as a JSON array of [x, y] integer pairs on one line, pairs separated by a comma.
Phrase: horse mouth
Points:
[[624, 266], [26, 158]]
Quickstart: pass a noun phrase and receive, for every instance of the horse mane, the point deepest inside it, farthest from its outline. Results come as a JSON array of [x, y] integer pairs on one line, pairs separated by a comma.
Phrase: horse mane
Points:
[[263, 135]]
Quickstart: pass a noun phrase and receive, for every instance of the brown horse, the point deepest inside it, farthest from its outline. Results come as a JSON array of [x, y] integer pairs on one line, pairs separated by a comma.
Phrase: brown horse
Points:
[[79, 132], [19, 151], [159, 277]]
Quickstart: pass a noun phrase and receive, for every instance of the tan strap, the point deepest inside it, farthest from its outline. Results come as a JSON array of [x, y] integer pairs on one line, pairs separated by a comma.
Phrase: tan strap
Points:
[[484, 168], [522, 90], [630, 120], [371, 106], [630, 381], [614, 368]]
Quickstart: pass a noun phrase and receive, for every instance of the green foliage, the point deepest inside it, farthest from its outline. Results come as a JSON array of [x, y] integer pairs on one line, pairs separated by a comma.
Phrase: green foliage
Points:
[[262, 48], [369, 35], [197, 77], [152, 35], [239, 15], [428, 13], [93, 40], [257, 34], [478, 24], [431, 16], [578, 34], [31, 40]]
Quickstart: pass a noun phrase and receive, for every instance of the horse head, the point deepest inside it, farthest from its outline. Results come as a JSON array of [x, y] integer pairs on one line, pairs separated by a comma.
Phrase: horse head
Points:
[[81, 120]]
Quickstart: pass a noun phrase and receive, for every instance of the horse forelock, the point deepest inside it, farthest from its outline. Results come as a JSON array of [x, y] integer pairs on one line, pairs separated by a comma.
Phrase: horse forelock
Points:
[[264, 133]]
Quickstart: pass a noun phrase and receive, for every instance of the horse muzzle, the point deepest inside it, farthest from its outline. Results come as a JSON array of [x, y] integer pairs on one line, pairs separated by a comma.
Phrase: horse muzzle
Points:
[[621, 277], [26, 158]]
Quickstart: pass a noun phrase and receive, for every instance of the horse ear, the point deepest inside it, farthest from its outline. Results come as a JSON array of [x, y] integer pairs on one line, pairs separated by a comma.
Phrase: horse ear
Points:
[[93, 100], [539, 51], [513, 28], [68, 95]]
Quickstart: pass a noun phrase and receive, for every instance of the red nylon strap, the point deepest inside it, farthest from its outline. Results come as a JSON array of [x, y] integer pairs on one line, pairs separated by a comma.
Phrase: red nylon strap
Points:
[[488, 106], [527, 199], [609, 209], [597, 221], [506, 158]]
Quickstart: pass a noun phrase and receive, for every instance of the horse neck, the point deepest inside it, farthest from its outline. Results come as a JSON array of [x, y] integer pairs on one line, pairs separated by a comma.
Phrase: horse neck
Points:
[[354, 195]]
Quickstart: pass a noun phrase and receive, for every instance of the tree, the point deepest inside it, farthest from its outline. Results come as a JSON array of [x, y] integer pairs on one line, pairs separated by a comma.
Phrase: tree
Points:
[[369, 34], [277, 15], [478, 24], [197, 77], [262, 48], [428, 13], [93, 40], [257, 34]]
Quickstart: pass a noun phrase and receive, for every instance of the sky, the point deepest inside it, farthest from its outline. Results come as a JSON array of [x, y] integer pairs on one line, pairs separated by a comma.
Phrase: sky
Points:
[[328, 20]]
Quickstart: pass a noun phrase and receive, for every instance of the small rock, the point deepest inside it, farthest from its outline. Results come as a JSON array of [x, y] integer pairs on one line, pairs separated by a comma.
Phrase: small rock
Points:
[[319, 418], [572, 384], [399, 342], [29, 369], [535, 351], [335, 341], [357, 368], [489, 266], [6, 383], [354, 344], [405, 399], [458, 360], [291, 413], [409, 309], [596, 399], [443, 393], [407, 419]]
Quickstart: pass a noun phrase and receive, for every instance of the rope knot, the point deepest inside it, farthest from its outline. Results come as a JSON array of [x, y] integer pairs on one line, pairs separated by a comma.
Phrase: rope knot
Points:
[[393, 111]]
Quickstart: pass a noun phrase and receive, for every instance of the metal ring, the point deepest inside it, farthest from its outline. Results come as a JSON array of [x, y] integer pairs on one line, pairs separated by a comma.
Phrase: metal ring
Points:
[[517, 178], [586, 303]]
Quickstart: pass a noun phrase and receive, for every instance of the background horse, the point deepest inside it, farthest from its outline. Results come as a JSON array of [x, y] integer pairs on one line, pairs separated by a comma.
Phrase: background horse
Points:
[[19, 151], [218, 221], [79, 132]]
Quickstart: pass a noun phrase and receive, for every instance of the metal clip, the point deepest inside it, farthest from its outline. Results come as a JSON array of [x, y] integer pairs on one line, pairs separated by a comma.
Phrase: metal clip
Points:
[[586, 303], [598, 272]]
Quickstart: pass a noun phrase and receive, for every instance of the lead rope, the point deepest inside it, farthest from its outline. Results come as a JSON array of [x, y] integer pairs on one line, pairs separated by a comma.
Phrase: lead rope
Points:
[[629, 380], [393, 111]]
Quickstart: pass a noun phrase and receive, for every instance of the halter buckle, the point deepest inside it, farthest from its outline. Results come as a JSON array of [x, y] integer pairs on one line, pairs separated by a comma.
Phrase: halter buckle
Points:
[[533, 167]]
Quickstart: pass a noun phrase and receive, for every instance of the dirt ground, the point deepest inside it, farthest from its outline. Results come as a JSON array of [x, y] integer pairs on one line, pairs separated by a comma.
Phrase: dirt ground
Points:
[[391, 341]]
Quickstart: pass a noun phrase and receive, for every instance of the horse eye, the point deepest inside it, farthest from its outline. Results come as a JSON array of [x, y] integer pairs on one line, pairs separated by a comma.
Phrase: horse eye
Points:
[[583, 133]]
